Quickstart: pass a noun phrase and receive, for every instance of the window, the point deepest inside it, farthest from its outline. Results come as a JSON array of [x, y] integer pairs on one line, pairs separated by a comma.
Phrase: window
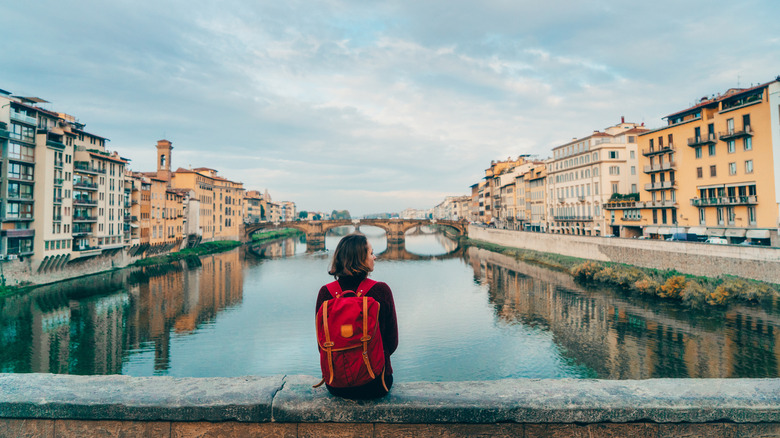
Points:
[[632, 154], [713, 171], [614, 170], [749, 166], [748, 143], [712, 150], [702, 219], [730, 215], [613, 154], [730, 126], [732, 168], [633, 189], [698, 151], [731, 146], [633, 170], [615, 188], [699, 172], [720, 215], [752, 215]]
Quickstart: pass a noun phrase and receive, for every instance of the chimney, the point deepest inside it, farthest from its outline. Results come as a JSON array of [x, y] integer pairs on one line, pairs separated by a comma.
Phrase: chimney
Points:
[[622, 119]]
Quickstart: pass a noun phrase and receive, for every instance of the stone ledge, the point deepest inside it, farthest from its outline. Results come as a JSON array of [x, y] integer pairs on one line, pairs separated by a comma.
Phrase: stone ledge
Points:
[[291, 399]]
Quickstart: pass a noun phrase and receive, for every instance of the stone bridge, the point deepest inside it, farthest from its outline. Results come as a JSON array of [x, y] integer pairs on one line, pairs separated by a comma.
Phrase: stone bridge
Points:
[[316, 230]]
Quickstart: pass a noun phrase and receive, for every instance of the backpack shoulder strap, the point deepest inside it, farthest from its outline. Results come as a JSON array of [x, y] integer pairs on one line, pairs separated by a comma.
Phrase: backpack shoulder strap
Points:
[[365, 286], [334, 288]]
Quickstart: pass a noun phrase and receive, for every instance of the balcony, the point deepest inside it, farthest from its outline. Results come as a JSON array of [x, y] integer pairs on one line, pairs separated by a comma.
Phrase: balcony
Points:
[[561, 200], [84, 167], [581, 198], [21, 177], [660, 167], [622, 205], [127, 218], [631, 219], [86, 251], [55, 144], [58, 181], [24, 118], [57, 218], [84, 218], [58, 199], [18, 217], [573, 218], [747, 131], [83, 201], [18, 197], [58, 163], [85, 185], [663, 185], [81, 230], [702, 140], [725, 200], [26, 158], [134, 219], [666, 203], [659, 150], [18, 233]]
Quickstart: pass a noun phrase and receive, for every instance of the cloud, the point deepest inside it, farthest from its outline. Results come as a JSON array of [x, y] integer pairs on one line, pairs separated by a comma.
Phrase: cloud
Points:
[[373, 107]]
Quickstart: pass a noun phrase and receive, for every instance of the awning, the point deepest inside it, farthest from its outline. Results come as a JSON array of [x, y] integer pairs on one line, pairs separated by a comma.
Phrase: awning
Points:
[[675, 230], [757, 234], [715, 232], [597, 228], [664, 230], [650, 230], [133, 226], [699, 231], [735, 232]]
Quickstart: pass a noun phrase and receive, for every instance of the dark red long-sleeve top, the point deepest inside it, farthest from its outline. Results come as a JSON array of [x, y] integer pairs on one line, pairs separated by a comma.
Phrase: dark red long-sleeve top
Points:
[[388, 324]]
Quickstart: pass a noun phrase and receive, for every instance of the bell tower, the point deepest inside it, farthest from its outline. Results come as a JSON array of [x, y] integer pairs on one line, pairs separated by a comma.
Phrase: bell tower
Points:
[[164, 148]]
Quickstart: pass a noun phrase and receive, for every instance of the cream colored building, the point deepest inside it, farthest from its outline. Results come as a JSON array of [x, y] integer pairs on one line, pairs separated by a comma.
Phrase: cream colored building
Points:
[[586, 172]]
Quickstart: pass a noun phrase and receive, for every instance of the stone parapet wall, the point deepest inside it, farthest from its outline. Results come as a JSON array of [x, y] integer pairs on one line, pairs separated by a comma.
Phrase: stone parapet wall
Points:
[[754, 262], [83, 406]]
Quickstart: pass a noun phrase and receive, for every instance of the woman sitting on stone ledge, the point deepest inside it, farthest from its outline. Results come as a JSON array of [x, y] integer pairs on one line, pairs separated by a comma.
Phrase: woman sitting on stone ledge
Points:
[[347, 367]]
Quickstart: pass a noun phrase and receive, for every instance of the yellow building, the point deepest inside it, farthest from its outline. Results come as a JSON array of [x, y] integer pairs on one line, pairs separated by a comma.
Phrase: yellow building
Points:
[[712, 171], [220, 200]]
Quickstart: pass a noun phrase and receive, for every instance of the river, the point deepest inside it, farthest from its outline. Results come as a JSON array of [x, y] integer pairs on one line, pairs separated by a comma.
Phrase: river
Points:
[[462, 315]]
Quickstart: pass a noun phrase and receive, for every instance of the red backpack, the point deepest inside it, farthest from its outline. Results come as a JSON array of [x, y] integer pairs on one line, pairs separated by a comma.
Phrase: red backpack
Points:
[[351, 352]]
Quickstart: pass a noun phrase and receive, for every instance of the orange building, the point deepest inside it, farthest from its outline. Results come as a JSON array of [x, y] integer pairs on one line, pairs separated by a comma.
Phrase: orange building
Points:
[[712, 171], [221, 201]]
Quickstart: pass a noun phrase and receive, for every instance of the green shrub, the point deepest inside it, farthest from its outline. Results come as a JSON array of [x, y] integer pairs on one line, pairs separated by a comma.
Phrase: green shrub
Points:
[[586, 271], [694, 294], [623, 276]]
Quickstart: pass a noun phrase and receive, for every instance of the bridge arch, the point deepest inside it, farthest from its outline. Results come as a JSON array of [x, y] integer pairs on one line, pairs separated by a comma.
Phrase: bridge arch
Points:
[[316, 230]]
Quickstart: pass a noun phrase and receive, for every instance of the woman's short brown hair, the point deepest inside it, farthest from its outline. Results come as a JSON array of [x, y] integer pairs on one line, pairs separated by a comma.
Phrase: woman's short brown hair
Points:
[[349, 259]]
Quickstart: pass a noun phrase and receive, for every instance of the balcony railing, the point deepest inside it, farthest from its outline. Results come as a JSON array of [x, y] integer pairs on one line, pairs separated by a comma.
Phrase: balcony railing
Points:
[[85, 185], [660, 167], [58, 163], [573, 218], [84, 218], [134, 219], [16, 196], [702, 140], [747, 131], [15, 115], [127, 218], [561, 199], [660, 185], [58, 181], [622, 205], [83, 166], [58, 199], [18, 216], [581, 198], [21, 176], [667, 203], [725, 200], [57, 218], [658, 150], [82, 201]]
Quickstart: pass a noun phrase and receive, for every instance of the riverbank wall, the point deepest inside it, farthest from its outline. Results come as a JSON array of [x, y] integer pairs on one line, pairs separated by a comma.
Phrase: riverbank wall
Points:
[[46, 405], [694, 258]]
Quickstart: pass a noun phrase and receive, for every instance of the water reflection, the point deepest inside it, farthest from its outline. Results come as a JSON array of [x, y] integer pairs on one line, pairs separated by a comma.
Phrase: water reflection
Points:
[[630, 337], [463, 315]]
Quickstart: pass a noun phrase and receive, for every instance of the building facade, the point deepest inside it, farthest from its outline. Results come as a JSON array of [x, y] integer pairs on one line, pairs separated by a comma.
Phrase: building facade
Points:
[[712, 171], [585, 173]]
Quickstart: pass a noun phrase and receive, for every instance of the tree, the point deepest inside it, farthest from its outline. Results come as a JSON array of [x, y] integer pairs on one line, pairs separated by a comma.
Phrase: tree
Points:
[[340, 214], [303, 215], [317, 217]]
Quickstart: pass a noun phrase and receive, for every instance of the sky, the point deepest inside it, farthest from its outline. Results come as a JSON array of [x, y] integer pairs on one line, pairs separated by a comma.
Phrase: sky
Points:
[[374, 106]]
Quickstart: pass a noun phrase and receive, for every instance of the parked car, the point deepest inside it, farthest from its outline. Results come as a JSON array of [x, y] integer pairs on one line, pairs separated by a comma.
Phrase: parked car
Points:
[[748, 242], [717, 241]]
